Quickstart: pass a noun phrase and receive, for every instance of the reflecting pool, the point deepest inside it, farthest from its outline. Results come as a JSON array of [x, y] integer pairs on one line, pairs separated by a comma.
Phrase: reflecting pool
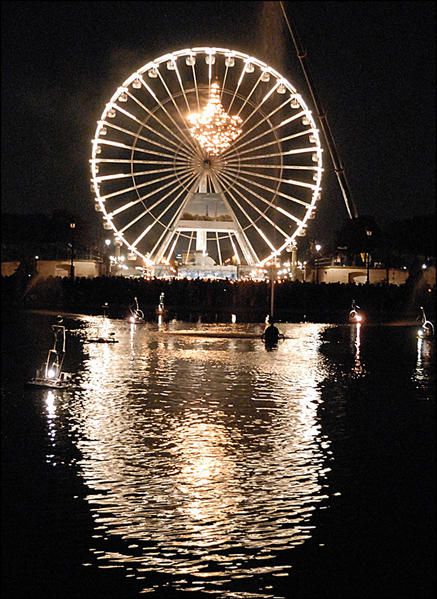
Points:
[[210, 466]]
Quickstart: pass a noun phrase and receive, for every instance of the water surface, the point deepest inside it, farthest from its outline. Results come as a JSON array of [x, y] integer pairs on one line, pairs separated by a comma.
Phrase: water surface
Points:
[[210, 466]]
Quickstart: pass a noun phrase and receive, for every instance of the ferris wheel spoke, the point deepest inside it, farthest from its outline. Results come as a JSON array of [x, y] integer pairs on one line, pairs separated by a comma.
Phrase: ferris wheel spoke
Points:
[[158, 219], [209, 75], [273, 191], [117, 176], [182, 134], [247, 248], [157, 203], [266, 119], [190, 242], [260, 212], [188, 138], [240, 80], [249, 95], [250, 219], [137, 136], [140, 186], [257, 110], [193, 72], [178, 75], [154, 115], [148, 127], [275, 141], [280, 179], [128, 161], [173, 185], [282, 166], [170, 252], [274, 154], [219, 253], [174, 219], [234, 248], [223, 85], [269, 204], [117, 144]]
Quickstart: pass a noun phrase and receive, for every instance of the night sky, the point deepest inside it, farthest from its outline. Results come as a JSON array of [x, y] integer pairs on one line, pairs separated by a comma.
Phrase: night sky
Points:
[[373, 64]]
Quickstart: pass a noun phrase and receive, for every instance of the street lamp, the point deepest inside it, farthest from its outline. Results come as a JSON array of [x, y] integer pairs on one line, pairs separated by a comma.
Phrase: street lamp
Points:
[[106, 258], [272, 269], [369, 235], [72, 228], [317, 247]]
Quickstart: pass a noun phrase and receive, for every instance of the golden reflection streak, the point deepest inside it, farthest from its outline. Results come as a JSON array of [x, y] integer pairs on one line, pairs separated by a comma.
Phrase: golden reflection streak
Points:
[[49, 399], [186, 451], [424, 360], [355, 330]]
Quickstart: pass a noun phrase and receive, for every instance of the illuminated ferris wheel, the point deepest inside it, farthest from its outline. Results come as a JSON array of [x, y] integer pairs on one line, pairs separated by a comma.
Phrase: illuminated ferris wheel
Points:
[[206, 154]]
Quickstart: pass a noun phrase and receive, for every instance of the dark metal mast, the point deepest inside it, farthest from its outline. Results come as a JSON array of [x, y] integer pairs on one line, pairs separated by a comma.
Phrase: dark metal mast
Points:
[[323, 120]]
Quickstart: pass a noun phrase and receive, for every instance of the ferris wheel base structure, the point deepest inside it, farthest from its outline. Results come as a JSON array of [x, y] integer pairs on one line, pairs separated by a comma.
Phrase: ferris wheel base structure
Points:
[[197, 270]]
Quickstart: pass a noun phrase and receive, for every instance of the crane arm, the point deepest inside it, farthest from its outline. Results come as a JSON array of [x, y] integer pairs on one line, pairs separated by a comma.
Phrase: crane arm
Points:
[[323, 120]]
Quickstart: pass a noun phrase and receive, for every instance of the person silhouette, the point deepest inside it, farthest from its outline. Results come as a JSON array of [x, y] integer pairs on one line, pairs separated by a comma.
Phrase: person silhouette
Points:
[[271, 333]]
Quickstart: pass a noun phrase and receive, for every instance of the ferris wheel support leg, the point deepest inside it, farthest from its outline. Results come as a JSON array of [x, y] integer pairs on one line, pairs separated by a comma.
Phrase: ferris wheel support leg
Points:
[[248, 254]]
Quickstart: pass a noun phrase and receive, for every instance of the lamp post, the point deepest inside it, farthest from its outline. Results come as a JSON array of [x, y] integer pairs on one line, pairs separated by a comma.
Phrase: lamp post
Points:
[[369, 235], [107, 261], [317, 247], [294, 263], [72, 228], [272, 290], [272, 287]]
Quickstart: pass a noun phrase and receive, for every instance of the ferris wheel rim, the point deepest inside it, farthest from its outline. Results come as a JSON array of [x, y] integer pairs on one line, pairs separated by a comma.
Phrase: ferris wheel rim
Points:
[[210, 50]]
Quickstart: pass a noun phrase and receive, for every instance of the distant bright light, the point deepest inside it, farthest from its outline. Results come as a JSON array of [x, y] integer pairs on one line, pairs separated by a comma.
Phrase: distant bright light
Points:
[[423, 266], [51, 373], [108, 241], [318, 247], [356, 317]]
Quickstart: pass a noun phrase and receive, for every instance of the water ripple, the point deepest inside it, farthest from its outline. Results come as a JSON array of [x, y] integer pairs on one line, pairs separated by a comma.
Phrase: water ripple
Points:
[[203, 456]]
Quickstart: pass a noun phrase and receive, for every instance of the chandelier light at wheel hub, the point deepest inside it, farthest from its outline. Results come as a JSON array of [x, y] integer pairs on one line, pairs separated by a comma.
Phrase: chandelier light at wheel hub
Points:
[[213, 128]]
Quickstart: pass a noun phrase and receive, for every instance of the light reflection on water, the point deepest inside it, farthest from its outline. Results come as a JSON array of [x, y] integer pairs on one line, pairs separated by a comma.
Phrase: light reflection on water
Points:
[[358, 368], [424, 363], [204, 457]]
